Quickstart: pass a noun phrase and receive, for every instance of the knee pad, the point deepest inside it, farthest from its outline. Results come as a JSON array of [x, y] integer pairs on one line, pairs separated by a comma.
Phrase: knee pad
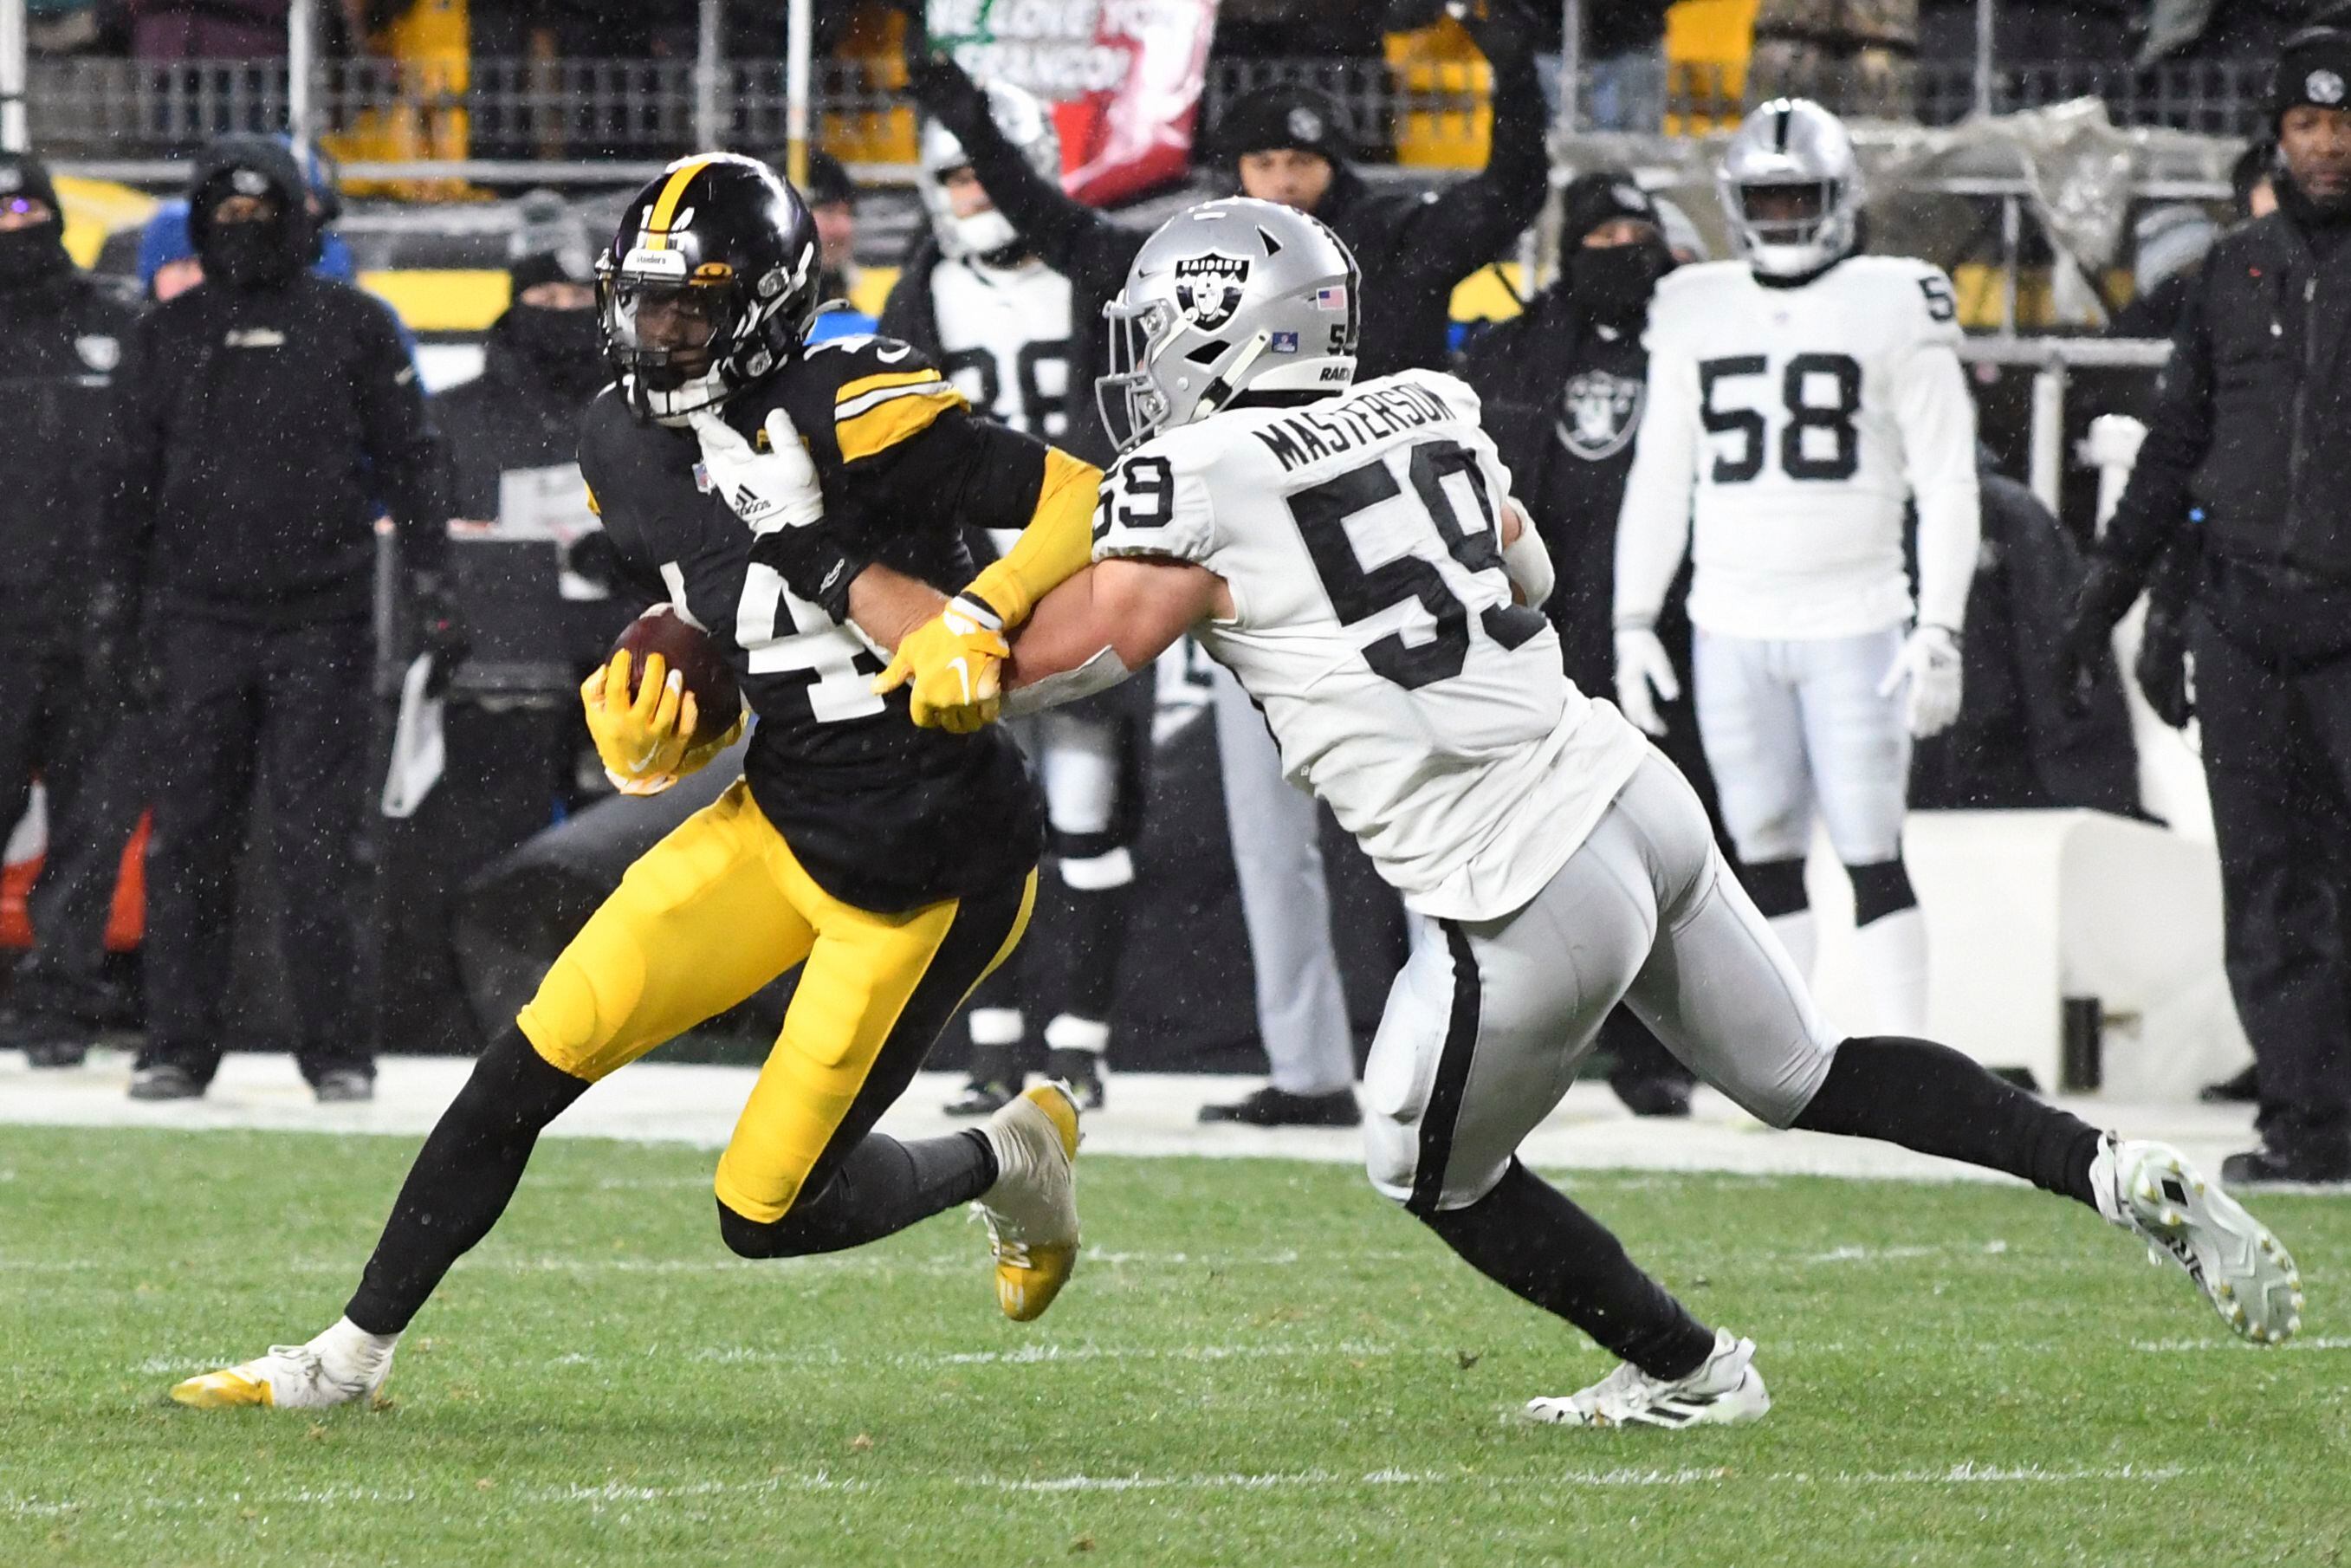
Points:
[[1776, 886], [1880, 889]]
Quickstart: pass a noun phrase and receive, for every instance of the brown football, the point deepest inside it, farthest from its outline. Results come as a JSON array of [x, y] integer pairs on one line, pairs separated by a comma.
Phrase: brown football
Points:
[[688, 649]]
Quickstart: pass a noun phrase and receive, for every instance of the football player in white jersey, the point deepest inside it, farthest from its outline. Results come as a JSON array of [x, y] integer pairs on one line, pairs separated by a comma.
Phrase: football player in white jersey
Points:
[[1799, 400], [1353, 554], [978, 300]]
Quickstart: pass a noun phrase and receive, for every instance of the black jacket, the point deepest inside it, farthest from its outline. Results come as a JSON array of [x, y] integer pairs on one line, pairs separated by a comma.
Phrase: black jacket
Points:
[[911, 314], [61, 340], [509, 416], [2252, 422], [2021, 739], [264, 431], [1412, 247]]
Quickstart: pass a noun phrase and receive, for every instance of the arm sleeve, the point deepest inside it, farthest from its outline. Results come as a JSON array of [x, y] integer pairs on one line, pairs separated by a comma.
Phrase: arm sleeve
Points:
[[1653, 526], [403, 447], [1055, 546], [1474, 220], [1937, 419], [2156, 502]]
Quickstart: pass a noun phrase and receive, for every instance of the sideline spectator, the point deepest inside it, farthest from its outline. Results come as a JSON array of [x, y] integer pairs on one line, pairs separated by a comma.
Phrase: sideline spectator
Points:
[[2251, 438], [61, 335], [261, 410], [832, 197]]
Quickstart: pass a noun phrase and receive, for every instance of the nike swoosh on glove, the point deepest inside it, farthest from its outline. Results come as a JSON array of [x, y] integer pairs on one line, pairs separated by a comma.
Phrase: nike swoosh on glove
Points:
[[954, 663], [1643, 667], [1930, 661], [642, 739]]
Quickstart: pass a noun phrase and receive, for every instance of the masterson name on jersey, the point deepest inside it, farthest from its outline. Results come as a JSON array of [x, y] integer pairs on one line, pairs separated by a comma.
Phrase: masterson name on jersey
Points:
[[1369, 415]]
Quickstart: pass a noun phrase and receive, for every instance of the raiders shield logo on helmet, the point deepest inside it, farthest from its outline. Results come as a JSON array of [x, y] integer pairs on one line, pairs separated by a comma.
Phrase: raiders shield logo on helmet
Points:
[[1208, 288], [1598, 414]]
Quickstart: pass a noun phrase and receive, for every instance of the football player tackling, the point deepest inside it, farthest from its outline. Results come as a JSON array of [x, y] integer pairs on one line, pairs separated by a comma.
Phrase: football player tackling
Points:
[[1354, 556], [895, 864]]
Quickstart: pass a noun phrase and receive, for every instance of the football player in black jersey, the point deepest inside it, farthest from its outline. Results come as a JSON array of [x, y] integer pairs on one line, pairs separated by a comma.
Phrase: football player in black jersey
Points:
[[805, 506]]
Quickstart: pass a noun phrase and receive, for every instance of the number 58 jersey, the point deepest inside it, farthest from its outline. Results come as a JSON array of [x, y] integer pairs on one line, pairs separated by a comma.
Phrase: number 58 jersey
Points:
[[1786, 428], [1374, 629]]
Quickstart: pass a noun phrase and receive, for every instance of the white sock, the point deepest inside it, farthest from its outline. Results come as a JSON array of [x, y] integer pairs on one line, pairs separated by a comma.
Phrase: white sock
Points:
[[348, 1352], [997, 1026], [1071, 1032], [1894, 958], [1795, 933]]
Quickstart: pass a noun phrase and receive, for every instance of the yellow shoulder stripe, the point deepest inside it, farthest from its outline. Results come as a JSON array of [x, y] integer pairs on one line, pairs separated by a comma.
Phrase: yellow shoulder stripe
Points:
[[851, 390], [903, 413]]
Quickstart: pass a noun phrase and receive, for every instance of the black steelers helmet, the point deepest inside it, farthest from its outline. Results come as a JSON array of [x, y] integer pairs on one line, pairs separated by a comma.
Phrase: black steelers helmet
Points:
[[708, 285]]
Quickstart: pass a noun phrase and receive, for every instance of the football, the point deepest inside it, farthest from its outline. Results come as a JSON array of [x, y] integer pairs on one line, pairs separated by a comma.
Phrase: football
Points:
[[688, 649]]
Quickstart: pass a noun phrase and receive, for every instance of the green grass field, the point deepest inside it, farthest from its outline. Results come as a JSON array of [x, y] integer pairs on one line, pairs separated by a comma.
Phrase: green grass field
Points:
[[1259, 1363]]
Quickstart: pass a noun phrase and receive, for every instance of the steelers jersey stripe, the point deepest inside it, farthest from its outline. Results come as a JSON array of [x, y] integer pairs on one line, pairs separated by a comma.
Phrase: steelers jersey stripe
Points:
[[665, 205], [930, 385], [850, 392], [898, 415]]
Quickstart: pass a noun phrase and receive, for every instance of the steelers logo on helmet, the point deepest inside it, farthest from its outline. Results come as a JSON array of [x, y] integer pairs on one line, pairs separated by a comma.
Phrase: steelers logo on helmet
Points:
[[1305, 124], [1208, 288], [2323, 86]]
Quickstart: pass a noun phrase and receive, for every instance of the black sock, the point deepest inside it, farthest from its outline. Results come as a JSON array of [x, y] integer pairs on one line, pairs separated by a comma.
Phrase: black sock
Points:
[[462, 1179], [880, 1187], [1529, 1236], [1930, 1098]]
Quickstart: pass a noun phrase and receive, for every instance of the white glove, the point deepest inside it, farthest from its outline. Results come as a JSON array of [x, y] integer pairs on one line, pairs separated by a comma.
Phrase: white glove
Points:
[[1930, 661], [1642, 667], [769, 490]]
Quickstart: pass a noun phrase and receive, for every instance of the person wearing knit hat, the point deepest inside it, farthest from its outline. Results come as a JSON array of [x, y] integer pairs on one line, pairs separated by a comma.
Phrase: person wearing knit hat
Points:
[[61, 338], [832, 197], [2246, 462], [1562, 386]]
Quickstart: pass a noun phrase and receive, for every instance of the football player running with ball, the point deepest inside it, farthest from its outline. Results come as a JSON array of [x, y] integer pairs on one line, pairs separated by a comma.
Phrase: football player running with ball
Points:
[[805, 506], [1803, 396], [1353, 554]]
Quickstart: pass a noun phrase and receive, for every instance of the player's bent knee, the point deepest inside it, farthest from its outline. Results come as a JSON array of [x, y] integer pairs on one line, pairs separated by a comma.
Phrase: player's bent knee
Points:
[[1391, 1151], [1776, 886], [814, 1224], [1880, 889]]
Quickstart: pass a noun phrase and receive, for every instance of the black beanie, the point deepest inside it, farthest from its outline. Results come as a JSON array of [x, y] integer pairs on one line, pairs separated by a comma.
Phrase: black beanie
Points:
[[1600, 197], [2313, 68], [828, 181], [1284, 116], [21, 175]]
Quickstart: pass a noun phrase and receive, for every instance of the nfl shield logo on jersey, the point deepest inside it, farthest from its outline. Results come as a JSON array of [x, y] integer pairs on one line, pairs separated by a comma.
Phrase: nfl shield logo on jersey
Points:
[[1208, 288], [1598, 414]]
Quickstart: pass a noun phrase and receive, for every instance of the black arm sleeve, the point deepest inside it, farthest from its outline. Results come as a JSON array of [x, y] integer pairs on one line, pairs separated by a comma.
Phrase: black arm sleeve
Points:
[[403, 448], [959, 470], [906, 314], [1073, 239], [1475, 220], [2156, 502]]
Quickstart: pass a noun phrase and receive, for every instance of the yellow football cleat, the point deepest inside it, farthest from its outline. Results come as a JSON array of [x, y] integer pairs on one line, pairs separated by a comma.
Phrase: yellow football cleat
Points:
[[1032, 1209], [290, 1378]]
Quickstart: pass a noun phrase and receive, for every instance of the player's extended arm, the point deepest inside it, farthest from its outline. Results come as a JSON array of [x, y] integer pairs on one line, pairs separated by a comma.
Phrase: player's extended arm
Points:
[[1653, 528], [1475, 220], [1109, 621], [1937, 420]]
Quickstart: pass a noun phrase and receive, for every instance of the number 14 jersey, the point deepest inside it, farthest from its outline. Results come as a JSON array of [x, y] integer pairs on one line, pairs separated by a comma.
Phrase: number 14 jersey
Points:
[[1373, 627], [1786, 428]]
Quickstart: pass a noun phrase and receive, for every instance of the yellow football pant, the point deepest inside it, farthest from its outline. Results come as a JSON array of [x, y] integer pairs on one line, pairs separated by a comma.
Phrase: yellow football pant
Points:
[[715, 910]]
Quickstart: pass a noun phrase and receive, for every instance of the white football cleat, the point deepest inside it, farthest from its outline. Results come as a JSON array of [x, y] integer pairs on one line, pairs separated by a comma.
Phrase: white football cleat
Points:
[[1727, 1391], [1032, 1209], [2152, 1190], [338, 1366]]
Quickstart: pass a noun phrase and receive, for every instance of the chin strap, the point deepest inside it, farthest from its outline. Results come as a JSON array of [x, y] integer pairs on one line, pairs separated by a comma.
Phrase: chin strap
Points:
[[1220, 391]]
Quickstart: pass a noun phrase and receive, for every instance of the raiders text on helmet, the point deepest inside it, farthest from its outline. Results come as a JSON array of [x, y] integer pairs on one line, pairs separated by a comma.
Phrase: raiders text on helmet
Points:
[[988, 236], [1229, 297], [1791, 153], [708, 285]]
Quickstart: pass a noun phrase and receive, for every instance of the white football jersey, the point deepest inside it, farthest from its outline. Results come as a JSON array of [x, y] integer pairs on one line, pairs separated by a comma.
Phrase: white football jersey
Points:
[[1003, 341], [1786, 430], [1374, 628]]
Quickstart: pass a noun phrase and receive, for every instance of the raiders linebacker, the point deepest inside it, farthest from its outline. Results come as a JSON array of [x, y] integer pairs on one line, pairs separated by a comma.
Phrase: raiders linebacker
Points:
[[1797, 400], [976, 299], [1353, 554]]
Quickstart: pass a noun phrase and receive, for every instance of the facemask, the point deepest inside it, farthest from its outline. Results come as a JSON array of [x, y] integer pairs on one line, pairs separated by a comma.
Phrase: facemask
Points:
[[248, 256], [986, 233], [564, 345], [1612, 283], [30, 255]]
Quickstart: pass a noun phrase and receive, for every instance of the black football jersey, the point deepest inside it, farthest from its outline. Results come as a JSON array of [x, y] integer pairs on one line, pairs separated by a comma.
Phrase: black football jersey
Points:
[[883, 814]]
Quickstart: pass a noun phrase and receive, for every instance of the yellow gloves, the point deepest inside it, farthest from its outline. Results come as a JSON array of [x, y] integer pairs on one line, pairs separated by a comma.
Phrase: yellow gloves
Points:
[[646, 742], [955, 664]]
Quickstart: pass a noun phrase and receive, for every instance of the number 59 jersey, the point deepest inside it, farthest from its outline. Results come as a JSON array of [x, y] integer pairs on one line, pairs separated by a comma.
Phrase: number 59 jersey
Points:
[[1373, 627], [1786, 427]]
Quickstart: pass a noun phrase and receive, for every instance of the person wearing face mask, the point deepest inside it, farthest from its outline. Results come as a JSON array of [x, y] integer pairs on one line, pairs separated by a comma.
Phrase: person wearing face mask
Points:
[[61, 335], [1562, 386], [262, 414], [2248, 460]]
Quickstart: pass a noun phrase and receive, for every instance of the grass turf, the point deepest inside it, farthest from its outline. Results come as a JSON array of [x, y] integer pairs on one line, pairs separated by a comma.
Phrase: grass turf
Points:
[[1259, 1363]]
